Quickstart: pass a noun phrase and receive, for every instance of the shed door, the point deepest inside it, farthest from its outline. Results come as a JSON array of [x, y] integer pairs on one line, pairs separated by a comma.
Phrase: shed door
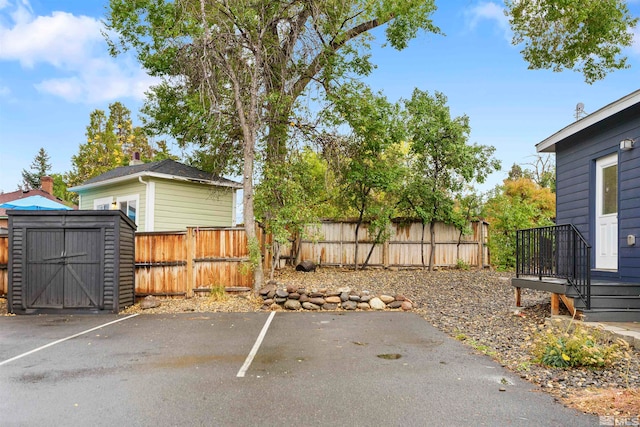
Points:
[[606, 220], [64, 268]]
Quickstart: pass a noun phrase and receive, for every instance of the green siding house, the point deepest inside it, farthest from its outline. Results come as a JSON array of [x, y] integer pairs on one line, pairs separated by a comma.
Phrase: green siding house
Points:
[[162, 196]]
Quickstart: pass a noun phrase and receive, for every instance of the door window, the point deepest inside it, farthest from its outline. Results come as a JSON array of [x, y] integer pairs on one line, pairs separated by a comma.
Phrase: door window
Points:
[[610, 190]]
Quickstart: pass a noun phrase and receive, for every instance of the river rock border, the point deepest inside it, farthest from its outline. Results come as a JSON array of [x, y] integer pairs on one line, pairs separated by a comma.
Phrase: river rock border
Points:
[[295, 298]]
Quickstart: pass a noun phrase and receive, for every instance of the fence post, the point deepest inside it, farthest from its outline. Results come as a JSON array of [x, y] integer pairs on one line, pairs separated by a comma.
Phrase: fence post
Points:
[[480, 244], [191, 254]]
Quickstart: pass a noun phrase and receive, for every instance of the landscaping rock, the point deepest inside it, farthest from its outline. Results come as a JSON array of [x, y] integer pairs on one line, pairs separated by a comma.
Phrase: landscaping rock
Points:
[[377, 304], [306, 266], [310, 306], [292, 304], [349, 305], [149, 302], [386, 298]]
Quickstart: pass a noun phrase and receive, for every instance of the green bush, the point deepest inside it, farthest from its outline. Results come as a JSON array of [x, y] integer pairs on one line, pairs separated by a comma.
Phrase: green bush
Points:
[[572, 349], [218, 293], [462, 264]]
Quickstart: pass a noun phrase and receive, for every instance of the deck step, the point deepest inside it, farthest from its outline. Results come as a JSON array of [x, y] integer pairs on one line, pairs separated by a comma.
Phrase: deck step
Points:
[[617, 289], [610, 301], [611, 315]]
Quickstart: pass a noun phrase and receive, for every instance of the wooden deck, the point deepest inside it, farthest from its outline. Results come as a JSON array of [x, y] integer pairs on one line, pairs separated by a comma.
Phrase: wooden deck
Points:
[[610, 300]]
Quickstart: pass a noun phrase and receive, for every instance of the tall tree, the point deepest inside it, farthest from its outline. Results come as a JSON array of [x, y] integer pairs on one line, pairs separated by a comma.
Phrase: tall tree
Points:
[[111, 142], [303, 188], [516, 204], [372, 165], [443, 162], [586, 36], [40, 167], [240, 66]]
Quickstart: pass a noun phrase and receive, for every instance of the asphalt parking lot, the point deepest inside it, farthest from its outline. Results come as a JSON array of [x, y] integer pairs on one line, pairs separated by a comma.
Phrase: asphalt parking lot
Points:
[[262, 369]]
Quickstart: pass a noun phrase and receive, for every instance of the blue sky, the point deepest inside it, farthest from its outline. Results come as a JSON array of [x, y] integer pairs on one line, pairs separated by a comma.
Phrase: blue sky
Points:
[[55, 70]]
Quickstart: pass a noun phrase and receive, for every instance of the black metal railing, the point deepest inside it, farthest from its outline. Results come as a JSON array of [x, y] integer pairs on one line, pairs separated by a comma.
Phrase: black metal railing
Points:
[[557, 251]]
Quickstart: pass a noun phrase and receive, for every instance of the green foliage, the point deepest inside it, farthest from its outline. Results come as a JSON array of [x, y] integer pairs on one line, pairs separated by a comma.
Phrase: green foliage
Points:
[[255, 256], [574, 348], [111, 142], [60, 189], [584, 35], [462, 264], [40, 167], [442, 161], [517, 204], [233, 71], [482, 348], [218, 293], [371, 172]]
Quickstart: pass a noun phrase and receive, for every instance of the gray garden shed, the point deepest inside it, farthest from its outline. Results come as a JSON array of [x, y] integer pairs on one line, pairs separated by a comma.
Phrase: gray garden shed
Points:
[[61, 261]]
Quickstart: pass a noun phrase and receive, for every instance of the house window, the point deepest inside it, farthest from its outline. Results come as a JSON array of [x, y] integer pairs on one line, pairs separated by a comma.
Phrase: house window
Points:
[[129, 205], [103, 204]]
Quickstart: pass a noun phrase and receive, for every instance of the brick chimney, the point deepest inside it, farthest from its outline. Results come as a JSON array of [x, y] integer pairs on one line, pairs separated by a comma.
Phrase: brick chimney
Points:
[[136, 159], [46, 184]]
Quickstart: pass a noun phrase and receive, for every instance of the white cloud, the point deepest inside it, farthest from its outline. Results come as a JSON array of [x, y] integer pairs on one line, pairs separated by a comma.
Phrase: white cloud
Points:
[[62, 40], [4, 91], [75, 49], [489, 11], [100, 80]]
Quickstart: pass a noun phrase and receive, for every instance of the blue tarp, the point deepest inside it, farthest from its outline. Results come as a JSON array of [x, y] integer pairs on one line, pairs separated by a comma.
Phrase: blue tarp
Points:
[[34, 203]]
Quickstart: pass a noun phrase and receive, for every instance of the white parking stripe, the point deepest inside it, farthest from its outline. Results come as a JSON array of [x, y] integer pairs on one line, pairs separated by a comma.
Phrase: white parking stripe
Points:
[[256, 346], [64, 339]]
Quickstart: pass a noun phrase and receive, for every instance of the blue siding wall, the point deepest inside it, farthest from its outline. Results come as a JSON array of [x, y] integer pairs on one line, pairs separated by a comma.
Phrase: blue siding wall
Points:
[[575, 183], [629, 210]]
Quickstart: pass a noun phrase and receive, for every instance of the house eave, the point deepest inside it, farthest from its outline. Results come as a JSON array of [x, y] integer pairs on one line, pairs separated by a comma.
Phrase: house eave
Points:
[[148, 174], [549, 145]]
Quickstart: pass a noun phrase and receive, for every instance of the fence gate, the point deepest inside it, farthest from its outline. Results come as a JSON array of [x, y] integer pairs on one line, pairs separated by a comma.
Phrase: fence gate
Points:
[[63, 268]]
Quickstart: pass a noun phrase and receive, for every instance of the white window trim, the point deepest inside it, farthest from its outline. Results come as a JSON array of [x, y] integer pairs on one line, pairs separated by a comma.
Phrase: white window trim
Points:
[[102, 201], [136, 198]]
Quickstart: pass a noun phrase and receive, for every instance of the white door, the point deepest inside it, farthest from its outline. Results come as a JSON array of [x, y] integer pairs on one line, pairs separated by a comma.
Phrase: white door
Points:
[[606, 245]]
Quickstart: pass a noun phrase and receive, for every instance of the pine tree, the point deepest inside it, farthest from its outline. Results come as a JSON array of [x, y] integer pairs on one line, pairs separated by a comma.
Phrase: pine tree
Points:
[[39, 168]]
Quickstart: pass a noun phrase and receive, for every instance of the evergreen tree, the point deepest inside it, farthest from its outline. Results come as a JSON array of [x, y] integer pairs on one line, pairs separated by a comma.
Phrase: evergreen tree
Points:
[[39, 167]]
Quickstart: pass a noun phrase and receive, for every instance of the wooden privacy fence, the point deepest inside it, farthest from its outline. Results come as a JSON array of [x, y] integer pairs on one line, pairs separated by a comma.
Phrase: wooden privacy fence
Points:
[[182, 263], [333, 244]]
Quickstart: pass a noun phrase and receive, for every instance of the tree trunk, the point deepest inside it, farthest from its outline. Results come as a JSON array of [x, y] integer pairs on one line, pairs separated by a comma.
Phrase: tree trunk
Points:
[[275, 259], [250, 226], [432, 255], [366, 261]]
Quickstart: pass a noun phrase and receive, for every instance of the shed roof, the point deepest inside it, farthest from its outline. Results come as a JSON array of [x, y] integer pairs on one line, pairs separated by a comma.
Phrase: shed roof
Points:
[[167, 169], [548, 145]]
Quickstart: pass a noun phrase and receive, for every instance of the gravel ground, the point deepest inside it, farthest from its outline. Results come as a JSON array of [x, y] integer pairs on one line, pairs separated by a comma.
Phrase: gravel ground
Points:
[[475, 307]]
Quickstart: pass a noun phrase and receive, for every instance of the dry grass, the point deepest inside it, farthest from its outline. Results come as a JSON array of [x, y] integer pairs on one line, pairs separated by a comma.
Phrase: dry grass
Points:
[[605, 401]]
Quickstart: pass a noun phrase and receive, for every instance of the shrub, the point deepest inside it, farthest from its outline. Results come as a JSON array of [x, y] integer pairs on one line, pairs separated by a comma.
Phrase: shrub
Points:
[[572, 349], [462, 264], [218, 293]]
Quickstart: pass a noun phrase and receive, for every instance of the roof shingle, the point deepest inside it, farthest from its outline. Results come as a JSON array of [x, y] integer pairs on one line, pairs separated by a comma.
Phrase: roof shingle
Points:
[[164, 167]]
